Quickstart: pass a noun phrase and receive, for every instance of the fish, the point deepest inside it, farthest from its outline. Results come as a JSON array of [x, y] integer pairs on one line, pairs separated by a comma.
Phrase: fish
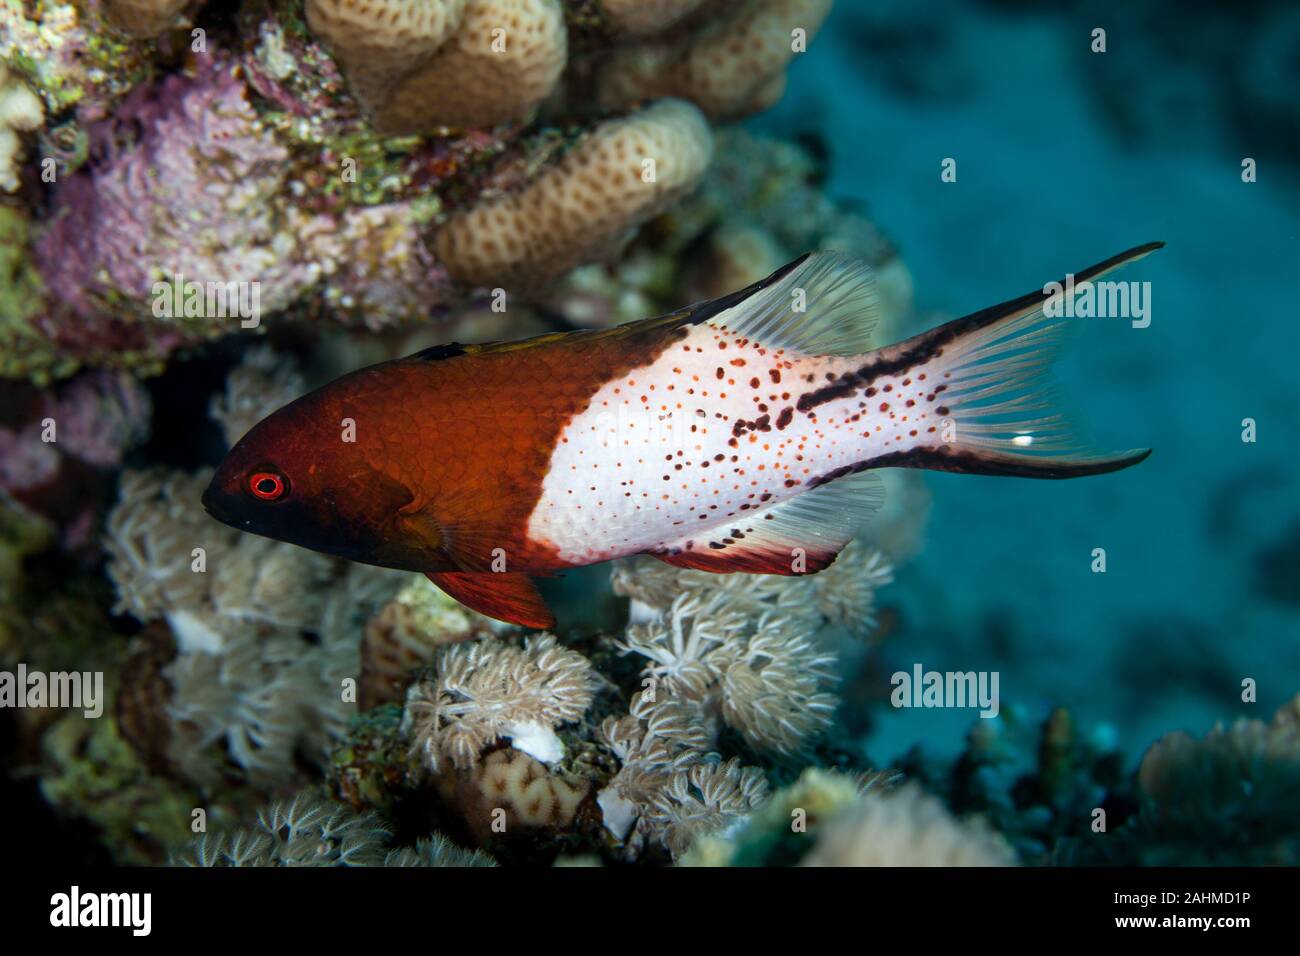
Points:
[[741, 434]]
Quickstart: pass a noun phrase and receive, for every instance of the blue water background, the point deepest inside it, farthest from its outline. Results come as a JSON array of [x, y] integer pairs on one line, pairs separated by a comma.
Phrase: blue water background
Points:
[[1046, 184]]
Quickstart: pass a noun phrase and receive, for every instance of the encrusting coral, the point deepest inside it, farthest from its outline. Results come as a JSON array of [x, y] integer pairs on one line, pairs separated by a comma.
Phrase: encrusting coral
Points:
[[167, 196]]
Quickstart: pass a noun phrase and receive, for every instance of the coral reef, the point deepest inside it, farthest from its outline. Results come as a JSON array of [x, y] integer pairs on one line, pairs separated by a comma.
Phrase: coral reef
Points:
[[290, 187]]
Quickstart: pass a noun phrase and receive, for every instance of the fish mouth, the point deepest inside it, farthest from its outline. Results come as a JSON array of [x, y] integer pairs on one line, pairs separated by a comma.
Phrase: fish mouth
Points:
[[211, 501]]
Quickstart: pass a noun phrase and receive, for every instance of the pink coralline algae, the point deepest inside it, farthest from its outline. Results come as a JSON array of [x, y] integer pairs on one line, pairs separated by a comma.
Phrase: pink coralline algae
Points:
[[182, 189]]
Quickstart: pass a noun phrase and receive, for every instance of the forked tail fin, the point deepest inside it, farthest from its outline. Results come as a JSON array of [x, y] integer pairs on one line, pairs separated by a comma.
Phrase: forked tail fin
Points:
[[999, 411]]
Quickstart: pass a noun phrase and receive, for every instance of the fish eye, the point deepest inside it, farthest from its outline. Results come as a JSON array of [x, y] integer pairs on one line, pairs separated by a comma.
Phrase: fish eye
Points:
[[267, 485]]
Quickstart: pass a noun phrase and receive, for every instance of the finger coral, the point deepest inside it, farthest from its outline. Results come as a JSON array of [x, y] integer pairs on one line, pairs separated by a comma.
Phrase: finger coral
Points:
[[490, 689], [502, 61], [377, 42], [621, 174]]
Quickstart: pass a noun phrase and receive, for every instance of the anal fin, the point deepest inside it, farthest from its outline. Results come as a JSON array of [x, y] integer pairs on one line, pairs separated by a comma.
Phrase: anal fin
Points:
[[509, 596], [802, 535]]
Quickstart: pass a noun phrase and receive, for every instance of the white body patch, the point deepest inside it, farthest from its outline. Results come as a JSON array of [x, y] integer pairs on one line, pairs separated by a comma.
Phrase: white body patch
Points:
[[711, 432]]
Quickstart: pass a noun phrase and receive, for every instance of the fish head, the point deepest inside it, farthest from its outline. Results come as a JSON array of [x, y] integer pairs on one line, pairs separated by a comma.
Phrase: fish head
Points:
[[296, 477]]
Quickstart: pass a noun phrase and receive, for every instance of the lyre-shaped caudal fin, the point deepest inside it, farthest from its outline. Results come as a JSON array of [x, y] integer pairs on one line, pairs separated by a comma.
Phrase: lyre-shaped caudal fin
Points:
[[999, 408]]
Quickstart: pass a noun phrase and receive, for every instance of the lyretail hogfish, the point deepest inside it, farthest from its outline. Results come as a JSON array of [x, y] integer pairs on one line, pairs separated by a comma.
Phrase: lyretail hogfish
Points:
[[733, 435]]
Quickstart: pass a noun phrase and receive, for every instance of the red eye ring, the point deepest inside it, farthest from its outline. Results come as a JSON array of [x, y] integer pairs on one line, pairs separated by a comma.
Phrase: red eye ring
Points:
[[266, 485]]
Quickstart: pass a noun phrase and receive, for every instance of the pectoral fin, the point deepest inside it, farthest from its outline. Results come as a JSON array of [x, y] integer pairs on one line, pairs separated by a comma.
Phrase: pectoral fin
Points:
[[509, 596]]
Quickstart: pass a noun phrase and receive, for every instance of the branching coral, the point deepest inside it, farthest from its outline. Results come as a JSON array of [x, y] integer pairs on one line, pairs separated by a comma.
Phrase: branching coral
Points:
[[378, 42], [490, 689], [583, 208], [416, 65]]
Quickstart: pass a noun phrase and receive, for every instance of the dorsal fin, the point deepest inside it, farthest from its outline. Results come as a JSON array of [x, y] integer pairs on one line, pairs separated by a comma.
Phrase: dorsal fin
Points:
[[801, 535], [823, 303]]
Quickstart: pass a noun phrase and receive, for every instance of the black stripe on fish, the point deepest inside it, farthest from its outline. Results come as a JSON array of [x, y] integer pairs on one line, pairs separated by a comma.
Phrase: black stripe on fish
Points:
[[899, 359]]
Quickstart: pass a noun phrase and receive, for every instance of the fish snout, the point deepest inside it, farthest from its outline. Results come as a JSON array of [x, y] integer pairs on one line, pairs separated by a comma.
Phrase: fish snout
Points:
[[214, 501]]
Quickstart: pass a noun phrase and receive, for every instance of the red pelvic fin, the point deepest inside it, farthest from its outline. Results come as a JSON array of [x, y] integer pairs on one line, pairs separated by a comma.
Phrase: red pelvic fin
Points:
[[509, 596]]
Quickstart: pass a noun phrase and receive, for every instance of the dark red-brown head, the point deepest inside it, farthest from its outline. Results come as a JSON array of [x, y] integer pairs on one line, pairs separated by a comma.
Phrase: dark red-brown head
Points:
[[297, 477]]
